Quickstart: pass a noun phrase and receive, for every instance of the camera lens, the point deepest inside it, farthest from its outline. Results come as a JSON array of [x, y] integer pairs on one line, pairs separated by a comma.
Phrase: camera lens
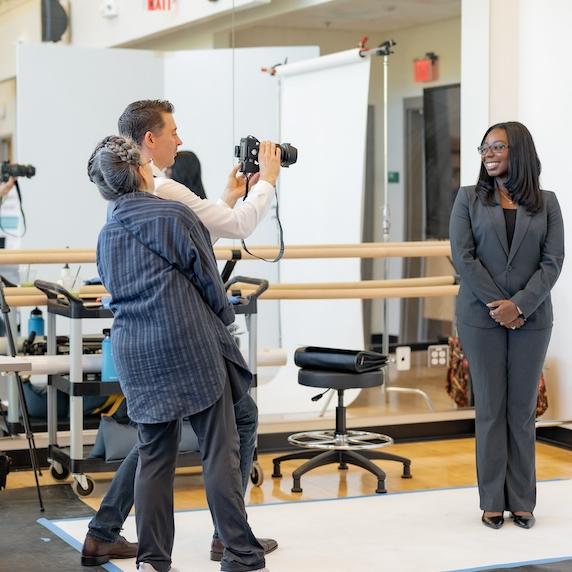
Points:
[[288, 154]]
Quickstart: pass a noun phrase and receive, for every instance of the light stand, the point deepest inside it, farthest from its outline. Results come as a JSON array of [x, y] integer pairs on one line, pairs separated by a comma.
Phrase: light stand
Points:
[[385, 50], [5, 309]]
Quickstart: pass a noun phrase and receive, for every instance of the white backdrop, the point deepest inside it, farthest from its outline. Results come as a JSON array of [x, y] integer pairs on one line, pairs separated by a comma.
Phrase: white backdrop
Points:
[[324, 114]]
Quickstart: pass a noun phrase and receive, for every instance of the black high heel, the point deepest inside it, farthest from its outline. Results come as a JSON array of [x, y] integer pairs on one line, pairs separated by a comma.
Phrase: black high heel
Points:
[[493, 521], [524, 521]]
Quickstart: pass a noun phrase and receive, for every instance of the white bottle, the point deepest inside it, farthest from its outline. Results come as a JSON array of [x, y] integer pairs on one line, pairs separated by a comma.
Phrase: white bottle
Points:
[[66, 277]]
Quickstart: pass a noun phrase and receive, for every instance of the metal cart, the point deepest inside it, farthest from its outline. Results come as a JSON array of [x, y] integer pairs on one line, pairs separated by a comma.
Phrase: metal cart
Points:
[[73, 459]]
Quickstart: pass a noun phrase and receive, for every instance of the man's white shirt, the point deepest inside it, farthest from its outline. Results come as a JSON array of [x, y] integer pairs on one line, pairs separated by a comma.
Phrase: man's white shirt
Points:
[[221, 220]]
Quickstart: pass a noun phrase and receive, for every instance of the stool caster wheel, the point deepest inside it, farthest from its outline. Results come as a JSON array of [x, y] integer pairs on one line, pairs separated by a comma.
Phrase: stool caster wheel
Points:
[[343, 466], [406, 472], [276, 474]]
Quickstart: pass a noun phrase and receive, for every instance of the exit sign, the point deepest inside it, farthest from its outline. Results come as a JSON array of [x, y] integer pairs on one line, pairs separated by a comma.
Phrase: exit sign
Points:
[[160, 5]]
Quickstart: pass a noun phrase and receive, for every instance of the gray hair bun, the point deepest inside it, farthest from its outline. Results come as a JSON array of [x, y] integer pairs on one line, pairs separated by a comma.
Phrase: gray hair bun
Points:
[[114, 167]]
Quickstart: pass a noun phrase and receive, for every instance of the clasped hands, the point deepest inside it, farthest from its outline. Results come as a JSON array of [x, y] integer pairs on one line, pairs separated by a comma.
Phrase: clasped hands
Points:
[[506, 314]]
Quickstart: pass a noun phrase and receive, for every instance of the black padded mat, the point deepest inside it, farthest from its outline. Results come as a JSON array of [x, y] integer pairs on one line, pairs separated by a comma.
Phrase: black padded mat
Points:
[[26, 545]]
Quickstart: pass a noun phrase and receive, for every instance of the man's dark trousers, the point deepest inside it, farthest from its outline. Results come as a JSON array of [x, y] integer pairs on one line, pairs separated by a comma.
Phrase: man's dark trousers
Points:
[[219, 444], [118, 501]]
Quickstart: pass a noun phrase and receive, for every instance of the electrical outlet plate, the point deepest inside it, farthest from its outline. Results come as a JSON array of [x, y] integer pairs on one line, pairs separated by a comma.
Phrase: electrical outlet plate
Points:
[[403, 358], [438, 355], [109, 8]]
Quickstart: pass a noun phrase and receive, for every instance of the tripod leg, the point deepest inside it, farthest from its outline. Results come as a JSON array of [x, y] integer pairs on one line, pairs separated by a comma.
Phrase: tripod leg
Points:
[[30, 437], [5, 309]]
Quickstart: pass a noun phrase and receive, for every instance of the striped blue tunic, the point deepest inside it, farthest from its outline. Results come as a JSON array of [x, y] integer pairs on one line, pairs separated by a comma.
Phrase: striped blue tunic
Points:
[[171, 347]]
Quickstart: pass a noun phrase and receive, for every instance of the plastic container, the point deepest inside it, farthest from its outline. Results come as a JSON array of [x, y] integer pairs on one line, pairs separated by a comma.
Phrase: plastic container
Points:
[[36, 322], [108, 371], [66, 277]]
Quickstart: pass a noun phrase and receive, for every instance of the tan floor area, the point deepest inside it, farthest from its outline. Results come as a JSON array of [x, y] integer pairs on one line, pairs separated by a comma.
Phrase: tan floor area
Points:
[[435, 464]]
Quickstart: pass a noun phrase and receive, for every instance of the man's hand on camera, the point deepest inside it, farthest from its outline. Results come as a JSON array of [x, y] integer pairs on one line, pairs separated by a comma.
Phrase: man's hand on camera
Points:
[[269, 161], [6, 187], [236, 186]]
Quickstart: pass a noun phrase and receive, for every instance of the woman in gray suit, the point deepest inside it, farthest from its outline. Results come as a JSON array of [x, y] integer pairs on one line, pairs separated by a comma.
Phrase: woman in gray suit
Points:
[[507, 242]]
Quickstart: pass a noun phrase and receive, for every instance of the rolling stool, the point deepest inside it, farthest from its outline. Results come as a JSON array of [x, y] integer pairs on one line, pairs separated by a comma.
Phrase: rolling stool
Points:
[[341, 445]]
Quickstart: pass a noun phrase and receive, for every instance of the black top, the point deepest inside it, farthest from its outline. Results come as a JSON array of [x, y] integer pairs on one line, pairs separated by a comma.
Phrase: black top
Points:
[[510, 219]]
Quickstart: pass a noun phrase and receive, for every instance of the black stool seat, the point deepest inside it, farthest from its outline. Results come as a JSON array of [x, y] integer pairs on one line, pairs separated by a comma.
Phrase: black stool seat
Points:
[[339, 380], [342, 445]]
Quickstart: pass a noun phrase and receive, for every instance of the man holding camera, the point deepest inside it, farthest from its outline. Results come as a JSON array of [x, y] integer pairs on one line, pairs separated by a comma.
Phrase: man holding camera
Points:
[[150, 123]]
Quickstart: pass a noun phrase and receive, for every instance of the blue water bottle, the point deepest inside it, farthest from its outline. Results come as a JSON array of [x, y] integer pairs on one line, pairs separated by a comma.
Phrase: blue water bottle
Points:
[[36, 322], [108, 372]]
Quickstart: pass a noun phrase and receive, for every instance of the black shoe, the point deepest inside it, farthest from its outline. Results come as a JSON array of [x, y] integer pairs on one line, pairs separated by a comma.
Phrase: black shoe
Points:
[[493, 521], [523, 521], [217, 547]]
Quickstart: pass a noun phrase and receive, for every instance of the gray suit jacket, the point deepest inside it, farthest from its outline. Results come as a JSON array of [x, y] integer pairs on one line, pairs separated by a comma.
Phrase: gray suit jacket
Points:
[[490, 271]]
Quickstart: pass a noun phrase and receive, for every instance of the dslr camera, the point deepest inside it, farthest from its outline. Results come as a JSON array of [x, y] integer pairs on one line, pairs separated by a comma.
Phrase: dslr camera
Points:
[[8, 170], [247, 153]]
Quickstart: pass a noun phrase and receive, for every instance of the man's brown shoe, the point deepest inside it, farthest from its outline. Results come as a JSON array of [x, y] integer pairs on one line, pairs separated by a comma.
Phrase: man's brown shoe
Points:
[[96, 552], [217, 547]]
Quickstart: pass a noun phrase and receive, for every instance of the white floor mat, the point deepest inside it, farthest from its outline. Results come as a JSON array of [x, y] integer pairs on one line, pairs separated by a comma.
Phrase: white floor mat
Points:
[[419, 532]]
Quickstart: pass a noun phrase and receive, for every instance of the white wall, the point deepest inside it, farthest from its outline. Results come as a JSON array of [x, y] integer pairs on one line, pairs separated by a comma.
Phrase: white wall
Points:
[[21, 23], [545, 93], [7, 107]]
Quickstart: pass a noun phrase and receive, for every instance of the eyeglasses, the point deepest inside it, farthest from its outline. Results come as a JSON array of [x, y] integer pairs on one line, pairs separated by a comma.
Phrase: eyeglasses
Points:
[[496, 148]]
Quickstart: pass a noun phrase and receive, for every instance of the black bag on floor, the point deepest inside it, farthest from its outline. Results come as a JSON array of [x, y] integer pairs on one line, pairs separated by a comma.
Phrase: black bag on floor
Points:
[[332, 359]]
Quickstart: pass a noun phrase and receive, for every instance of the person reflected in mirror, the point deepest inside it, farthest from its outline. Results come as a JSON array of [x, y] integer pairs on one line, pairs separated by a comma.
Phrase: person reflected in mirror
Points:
[[507, 244], [187, 170]]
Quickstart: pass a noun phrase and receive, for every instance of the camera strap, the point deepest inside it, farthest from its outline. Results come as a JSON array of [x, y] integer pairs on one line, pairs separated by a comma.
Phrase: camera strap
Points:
[[280, 232]]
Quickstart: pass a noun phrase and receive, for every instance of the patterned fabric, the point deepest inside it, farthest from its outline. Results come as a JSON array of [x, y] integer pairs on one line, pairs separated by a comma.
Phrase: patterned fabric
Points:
[[171, 346], [458, 378]]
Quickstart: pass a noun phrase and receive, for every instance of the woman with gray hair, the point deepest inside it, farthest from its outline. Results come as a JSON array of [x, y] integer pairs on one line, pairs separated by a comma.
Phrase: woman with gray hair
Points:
[[174, 355]]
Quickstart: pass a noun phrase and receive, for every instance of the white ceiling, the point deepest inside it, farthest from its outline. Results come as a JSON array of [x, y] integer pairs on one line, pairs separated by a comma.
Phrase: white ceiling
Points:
[[369, 15]]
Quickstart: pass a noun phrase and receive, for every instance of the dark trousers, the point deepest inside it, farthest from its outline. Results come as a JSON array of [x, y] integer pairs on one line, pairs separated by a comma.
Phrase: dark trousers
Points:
[[505, 368], [118, 501], [219, 444]]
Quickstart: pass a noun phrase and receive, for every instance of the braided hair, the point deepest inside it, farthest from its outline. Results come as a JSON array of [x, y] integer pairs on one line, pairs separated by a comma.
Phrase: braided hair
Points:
[[114, 167]]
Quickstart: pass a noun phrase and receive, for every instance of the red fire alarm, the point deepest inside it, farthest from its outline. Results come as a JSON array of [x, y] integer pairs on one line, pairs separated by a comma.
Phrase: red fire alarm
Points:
[[425, 69]]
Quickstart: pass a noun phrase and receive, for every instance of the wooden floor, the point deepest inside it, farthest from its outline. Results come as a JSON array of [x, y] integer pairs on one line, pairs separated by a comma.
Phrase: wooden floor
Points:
[[435, 464]]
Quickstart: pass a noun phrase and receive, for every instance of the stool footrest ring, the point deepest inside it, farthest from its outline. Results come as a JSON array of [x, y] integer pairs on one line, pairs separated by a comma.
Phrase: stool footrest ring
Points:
[[348, 441]]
